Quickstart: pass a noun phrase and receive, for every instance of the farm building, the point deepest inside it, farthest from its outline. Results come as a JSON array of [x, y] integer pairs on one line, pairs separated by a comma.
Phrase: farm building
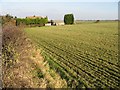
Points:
[[55, 23], [48, 24], [34, 17], [59, 22]]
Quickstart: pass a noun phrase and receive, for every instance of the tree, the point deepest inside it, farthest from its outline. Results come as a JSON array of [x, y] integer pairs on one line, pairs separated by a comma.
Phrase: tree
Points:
[[46, 19], [8, 16], [15, 17], [97, 21], [69, 19], [18, 21], [52, 22]]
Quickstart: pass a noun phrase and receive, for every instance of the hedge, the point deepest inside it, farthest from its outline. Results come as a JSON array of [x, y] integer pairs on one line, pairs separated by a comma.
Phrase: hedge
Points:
[[28, 21]]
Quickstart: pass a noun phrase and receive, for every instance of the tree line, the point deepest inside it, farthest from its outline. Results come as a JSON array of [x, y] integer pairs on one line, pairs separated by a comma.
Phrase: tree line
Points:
[[68, 19]]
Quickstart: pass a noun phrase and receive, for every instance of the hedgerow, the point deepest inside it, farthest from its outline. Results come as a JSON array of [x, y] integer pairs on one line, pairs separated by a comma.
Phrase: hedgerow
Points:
[[29, 21]]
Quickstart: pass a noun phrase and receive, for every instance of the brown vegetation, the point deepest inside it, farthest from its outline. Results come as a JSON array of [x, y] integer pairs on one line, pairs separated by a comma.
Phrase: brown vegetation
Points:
[[23, 66]]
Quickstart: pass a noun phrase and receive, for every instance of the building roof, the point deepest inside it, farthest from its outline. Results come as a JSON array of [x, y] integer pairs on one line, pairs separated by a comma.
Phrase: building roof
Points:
[[34, 17]]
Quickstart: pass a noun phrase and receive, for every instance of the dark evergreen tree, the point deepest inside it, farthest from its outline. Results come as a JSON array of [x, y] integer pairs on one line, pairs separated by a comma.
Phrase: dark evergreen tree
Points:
[[69, 19]]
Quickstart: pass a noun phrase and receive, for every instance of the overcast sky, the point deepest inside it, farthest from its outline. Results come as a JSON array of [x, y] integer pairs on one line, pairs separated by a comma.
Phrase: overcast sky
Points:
[[56, 9]]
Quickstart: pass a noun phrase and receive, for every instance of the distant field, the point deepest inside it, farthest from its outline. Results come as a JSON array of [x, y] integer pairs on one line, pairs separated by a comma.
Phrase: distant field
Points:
[[84, 54]]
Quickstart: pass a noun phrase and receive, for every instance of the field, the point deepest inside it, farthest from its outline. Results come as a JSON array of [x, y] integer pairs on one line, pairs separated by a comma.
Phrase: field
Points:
[[85, 55]]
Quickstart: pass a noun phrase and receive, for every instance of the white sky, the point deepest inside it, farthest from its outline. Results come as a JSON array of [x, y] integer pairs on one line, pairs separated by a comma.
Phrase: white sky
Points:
[[56, 9], [60, 0]]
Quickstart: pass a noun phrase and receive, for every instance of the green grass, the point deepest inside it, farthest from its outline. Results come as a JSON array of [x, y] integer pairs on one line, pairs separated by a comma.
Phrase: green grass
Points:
[[84, 54]]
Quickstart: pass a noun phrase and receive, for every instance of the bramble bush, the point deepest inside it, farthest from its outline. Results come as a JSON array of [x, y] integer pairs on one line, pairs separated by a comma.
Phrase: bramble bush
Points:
[[12, 38]]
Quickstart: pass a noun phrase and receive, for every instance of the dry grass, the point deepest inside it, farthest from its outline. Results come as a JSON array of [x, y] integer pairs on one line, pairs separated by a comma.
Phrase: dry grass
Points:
[[29, 70]]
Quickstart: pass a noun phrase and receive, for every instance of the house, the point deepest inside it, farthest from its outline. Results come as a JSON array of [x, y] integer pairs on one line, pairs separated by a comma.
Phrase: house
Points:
[[48, 24], [55, 23], [59, 22], [34, 17]]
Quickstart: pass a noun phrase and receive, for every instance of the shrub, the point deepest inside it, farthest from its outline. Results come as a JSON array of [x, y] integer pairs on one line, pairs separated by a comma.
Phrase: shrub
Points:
[[11, 35], [52, 22], [97, 21], [69, 19]]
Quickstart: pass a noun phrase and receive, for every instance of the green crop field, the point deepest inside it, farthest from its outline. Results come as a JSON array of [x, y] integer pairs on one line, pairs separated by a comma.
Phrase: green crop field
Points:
[[85, 55]]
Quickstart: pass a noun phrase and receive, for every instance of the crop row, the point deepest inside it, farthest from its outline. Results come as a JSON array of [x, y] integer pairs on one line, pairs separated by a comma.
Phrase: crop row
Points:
[[82, 54], [79, 64]]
